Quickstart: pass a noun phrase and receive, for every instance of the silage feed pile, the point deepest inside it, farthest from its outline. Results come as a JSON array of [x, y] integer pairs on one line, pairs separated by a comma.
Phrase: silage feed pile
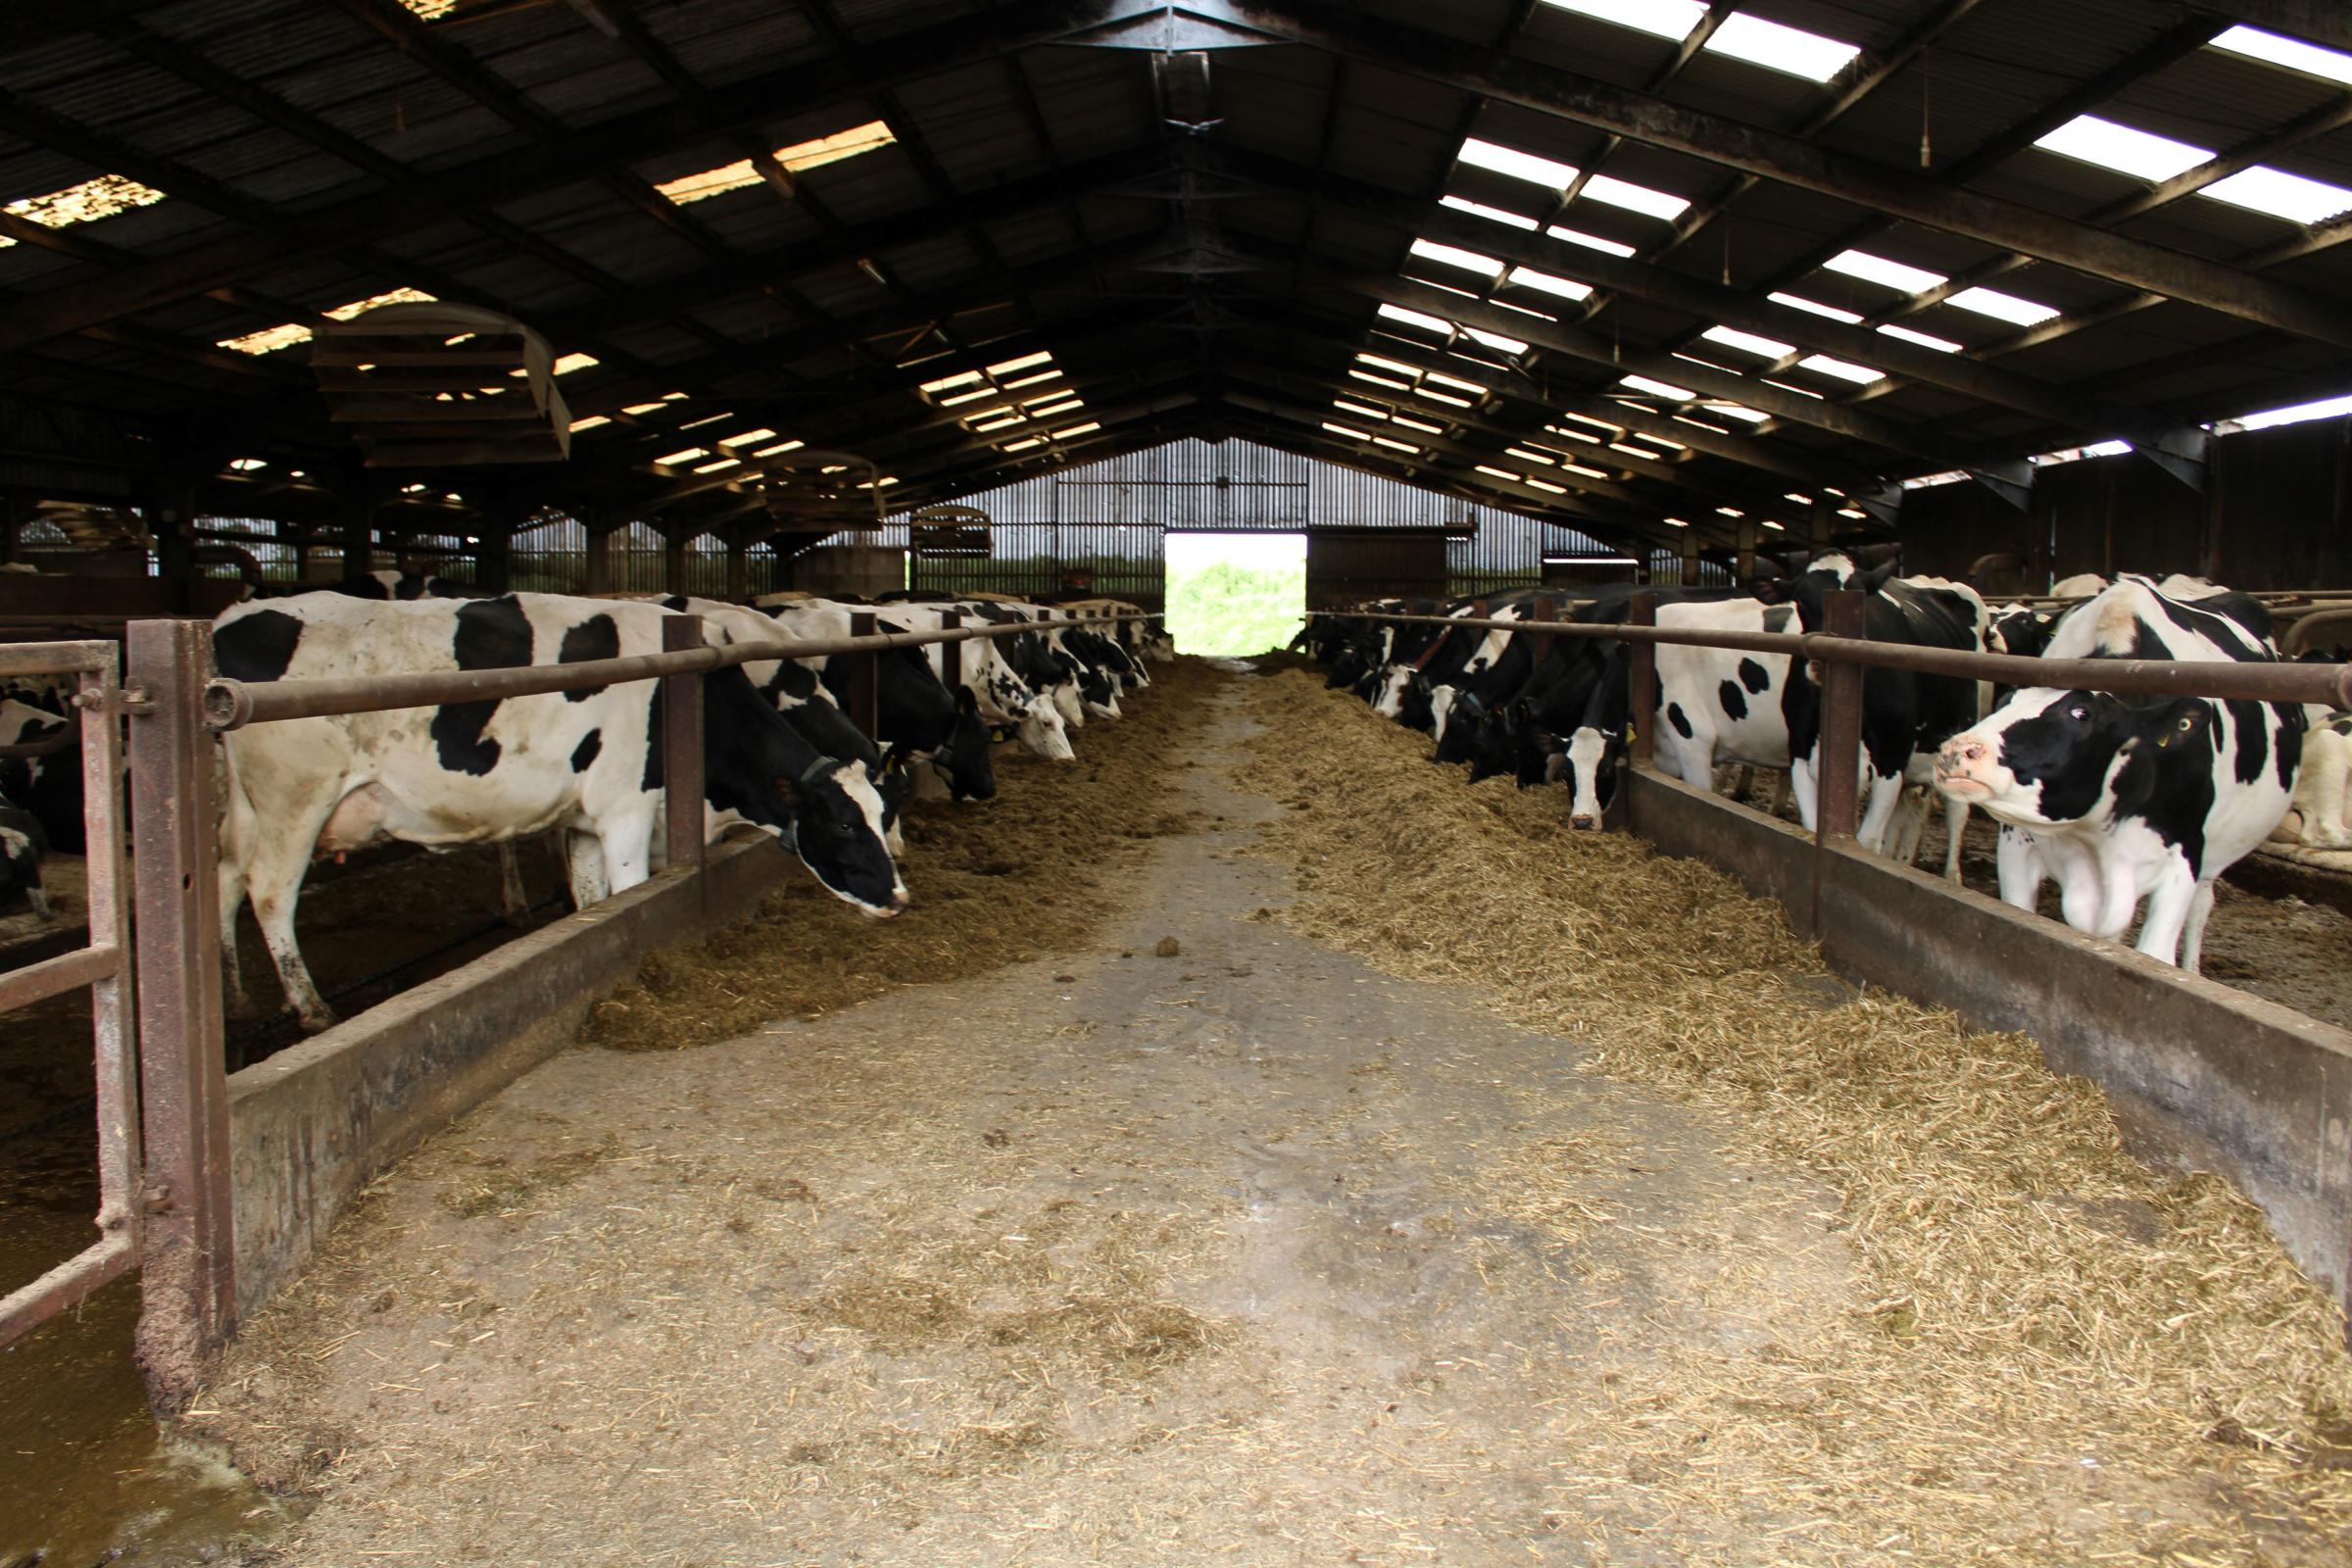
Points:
[[2060, 1356], [993, 882]]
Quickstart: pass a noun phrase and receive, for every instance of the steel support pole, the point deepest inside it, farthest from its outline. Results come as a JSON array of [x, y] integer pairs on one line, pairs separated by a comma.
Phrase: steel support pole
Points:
[[1839, 776], [682, 746], [865, 669], [950, 620], [1641, 679], [188, 1262]]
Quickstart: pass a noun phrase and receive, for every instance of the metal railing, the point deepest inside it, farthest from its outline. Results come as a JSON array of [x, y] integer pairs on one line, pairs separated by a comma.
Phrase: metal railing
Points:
[[103, 964], [164, 1179], [1844, 653]]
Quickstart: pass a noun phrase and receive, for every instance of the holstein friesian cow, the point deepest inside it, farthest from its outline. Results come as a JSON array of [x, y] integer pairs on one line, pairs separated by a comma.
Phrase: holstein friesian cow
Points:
[[915, 710], [2317, 819], [2122, 799], [48, 787], [1005, 699], [379, 585], [485, 773], [22, 844], [811, 709], [1906, 716]]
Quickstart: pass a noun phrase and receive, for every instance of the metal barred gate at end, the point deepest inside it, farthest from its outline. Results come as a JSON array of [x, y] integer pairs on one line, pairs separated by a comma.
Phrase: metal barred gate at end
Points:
[[166, 1205]]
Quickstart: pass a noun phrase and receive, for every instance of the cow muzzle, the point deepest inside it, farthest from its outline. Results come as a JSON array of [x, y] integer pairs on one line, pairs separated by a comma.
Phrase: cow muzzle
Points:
[[897, 907], [1962, 763], [1584, 821]]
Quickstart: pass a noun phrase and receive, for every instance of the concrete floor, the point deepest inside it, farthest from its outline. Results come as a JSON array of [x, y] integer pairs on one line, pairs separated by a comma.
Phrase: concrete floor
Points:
[[1109, 1257]]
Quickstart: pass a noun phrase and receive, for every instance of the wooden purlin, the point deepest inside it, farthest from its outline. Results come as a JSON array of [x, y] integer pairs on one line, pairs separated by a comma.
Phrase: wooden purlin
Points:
[[432, 384]]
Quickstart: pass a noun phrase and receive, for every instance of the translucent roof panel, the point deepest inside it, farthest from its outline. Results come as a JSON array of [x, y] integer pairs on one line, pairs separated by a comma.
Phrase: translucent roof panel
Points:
[[1778, 47], [2142, 154], [2292, 53], [1664, 19]]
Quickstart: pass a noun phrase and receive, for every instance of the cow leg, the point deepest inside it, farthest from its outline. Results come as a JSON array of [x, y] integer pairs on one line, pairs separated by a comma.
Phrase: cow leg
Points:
[[274, 872], [1882, 795], [2169, 907], [584, 860], [38, 896], [2018, 869], [2327, 766], [2193, 932], [628, 848], [1956, 831], [517, 902], [1908, 824], [1802, 785], [233, 1000]]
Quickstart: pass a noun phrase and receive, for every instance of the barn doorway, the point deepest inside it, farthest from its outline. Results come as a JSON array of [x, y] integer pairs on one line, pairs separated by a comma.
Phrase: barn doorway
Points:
[[1235, 594]]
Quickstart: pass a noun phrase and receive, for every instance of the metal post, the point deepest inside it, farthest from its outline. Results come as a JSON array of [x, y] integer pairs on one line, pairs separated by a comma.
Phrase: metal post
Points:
[[950, 620], [739, 570], [864, 671], [1839, 776], [682, 746], [188, 1284], [599, 552], [1747, 551], [1539, 643], [673, 563], [1689, 557], [1641, 679], [359, 524]]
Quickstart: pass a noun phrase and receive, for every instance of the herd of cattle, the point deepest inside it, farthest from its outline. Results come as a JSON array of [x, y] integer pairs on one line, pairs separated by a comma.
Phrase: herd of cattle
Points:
[[779, 751], [2119, 800]]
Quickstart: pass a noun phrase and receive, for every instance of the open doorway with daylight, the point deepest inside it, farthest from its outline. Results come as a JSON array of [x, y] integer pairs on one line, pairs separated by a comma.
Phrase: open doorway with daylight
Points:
[[1235, 594]]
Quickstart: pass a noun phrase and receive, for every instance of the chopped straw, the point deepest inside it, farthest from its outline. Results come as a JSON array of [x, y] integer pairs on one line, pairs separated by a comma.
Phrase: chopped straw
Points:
[[2039, 1304]]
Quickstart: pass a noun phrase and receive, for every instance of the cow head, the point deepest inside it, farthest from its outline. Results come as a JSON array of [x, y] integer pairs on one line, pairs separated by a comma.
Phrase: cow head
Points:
[[965, 764], [1589, 767], [1415, 703], [836, 825], [1040, 727], [1495, 745], [2046, 756]]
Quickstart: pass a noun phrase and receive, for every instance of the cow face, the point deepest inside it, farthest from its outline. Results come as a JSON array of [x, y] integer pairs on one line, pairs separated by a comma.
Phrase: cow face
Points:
[[1494, 742], [836, 821], [964, 764], [1589, 767], [1043, 732], [1416, 708], [2046, 758]]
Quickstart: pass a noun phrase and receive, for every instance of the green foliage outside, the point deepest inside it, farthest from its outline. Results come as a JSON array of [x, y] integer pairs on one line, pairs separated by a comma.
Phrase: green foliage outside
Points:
[[1229, 609]]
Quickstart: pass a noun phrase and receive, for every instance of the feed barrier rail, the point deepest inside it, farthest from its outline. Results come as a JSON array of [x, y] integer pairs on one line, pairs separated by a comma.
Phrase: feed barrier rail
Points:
[[164, 1099]]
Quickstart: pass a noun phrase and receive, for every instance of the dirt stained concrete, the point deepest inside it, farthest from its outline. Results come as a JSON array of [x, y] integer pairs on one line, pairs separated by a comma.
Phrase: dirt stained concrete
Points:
[[1111, 1257]]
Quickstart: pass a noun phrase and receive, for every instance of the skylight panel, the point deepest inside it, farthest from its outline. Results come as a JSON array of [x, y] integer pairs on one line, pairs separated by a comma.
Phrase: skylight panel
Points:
[[1633, 451], [1664, 389], [2007, 306], [591, 422], [1061, 406], [745, 439], [688, 454], [1590, 473], [1069, 430], [1361, 411], [1007, 367], [1549, 172], [1674, 522], [2292, 53], [1534, 483], [1382, 380], [1446, 398], [960, 378], [1799, 302], [1494, 340], [86, 203], [1400, 446], [1500, 474], [429, 9], [1567, 288], [710, 182], [1530, 455], [1738, 411], [781, 446], [1019, 381], [1411, 423], [1427, 323], [1576, 237], [2275, 191], [1778, 47], [1462, 204], [998, 421], [2125, 149], [1456, 256], [2293, 413], [1787, 386], [1662, 19], [1879, 269], [1925, 340], [984, 390], [718, 465], [1597, 424], [1390, 366], [1348, 430], [271, 340], [1456, 382], [1843, 369], [1025, 444], [1636, 198], [1752, 342]]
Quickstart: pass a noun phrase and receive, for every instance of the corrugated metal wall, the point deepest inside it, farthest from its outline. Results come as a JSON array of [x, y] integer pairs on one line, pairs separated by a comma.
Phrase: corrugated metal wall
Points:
[[2275, 515], [1109, 517]]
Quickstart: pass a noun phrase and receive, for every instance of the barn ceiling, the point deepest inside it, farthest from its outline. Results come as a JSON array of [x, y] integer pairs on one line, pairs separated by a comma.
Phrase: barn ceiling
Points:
[[1638, 266]]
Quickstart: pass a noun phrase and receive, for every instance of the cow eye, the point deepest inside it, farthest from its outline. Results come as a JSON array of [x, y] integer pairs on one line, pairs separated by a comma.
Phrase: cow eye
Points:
[[2188, 723]]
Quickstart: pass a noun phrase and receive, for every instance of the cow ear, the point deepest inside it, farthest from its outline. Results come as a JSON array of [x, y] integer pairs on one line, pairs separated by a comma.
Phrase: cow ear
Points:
[[965, 701], [1769, 590], [1876, 579], [894, 761]]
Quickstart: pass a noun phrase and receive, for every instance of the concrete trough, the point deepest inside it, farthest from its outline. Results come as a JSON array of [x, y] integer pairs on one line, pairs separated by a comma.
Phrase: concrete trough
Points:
[[2201, 1076], [313, 1125]]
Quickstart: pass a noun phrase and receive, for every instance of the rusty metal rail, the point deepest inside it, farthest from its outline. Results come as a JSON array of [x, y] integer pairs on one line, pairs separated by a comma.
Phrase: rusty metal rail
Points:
[[2281, 682], [232, 705], [103, 965]]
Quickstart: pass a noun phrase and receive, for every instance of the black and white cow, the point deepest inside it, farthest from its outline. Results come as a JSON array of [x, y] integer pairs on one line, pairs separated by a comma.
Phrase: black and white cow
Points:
[[484, 772], [377, 585], [24, 842], [1004, 698], [2122, 799], [1906, 716], [49, 787]]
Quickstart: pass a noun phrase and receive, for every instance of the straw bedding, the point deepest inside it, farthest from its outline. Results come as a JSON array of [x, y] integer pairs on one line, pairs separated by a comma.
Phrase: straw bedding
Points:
[[995, 882], [2047, 1318]]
